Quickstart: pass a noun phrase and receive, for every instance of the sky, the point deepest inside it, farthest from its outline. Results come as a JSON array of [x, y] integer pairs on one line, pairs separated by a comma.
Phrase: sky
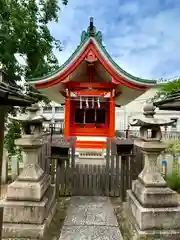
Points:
[[142, 36]]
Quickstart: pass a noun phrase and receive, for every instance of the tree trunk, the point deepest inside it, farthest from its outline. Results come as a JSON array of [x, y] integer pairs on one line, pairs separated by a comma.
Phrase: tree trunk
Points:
[[2, 117]]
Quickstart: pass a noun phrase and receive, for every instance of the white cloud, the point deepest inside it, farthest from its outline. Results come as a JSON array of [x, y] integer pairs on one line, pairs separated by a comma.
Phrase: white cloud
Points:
[[142, 36]]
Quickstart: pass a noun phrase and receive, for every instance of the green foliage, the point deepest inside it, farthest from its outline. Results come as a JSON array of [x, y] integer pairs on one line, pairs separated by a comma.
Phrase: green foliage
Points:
[[173, 148], [171, 87], [24, 32], [167, 89], [146, 238], [173, 181], [14, 132], [65, 2]]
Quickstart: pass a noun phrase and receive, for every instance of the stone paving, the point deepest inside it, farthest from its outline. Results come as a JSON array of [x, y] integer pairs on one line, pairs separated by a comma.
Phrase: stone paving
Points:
[[90, 218]]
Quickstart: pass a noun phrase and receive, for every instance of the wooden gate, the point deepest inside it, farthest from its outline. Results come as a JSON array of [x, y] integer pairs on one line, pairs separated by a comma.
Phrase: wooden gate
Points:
[[111, 179]]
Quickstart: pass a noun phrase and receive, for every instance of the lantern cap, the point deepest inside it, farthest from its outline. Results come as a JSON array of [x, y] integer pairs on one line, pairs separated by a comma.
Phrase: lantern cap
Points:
[[148, 119]]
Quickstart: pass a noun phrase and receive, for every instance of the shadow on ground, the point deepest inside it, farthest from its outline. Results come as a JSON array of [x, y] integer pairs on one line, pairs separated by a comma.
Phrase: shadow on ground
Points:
[[54, 230], [118, 209]]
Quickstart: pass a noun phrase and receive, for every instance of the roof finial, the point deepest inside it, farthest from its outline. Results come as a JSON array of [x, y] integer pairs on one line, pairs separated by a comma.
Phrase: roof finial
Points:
[[92, 29], [91, 24], [91, 32]]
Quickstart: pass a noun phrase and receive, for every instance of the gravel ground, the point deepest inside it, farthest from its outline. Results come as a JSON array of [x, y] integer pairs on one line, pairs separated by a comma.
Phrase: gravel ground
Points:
[[118, 209], [53, 232]]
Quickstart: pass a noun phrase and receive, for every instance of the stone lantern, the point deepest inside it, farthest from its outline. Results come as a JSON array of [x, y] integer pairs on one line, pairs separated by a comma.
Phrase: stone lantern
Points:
[[152, 204], [31, 197]]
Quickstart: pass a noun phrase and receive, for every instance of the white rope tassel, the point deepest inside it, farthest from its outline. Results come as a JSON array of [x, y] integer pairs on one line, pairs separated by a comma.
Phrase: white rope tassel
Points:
[[80, 103], [87, 105], [92, 102], [98, 103]]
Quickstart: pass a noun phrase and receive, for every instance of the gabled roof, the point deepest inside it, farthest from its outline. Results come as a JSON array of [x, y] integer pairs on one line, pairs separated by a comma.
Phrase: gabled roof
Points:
[[11, 94], [90, 39], [171, 102]]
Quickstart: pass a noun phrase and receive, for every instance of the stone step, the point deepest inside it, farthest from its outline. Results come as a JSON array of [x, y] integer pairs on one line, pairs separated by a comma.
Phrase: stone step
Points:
[[90, 218], [91, 144], [89, 155]]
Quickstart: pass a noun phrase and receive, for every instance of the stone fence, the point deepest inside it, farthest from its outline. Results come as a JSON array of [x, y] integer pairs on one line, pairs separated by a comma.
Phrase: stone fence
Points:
[[11, 168], [166, 135]]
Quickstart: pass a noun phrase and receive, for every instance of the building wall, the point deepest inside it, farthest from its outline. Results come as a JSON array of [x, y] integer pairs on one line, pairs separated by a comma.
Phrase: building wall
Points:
[[54, 113], [123, 114], [135, 109]]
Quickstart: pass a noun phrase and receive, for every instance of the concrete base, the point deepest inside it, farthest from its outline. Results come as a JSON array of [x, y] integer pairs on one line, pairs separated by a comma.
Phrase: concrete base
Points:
[[135, 233], [28, 190], [28, 220], [157, 235], [27, 231], [28, 211], [31, 173], [154, 197], [153, 219]]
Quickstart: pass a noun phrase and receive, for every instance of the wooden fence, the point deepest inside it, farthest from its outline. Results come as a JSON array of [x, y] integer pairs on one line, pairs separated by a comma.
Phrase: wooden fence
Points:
[[111, 179]]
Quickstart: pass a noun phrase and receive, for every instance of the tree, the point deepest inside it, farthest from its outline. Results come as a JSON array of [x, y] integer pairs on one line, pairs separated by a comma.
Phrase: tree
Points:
[[166, 89], [171, 87], [24, 31], [14, 132]]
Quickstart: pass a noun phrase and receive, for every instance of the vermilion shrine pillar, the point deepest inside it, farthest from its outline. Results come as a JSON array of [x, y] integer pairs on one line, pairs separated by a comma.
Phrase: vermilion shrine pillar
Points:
[[111, 116], [67, 116]]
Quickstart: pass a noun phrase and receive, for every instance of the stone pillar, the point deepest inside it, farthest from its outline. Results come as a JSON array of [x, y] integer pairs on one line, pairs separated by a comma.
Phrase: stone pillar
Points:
[[30, 202], [153, 206], [4, 175], [14, 168], [2, 120]]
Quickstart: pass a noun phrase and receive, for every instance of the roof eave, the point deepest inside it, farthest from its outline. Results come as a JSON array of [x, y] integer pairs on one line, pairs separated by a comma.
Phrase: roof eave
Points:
[[105, 55]]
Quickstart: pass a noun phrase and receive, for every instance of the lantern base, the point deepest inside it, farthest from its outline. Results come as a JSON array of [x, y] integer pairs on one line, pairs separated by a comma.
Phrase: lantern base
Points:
[[155, 222], [154, 196], [26, 219], [28, 190], [134, 233]]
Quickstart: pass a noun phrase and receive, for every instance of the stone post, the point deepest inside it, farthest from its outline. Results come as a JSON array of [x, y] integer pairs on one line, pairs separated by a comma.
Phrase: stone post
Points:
[[4, 176], [3, 110], [30, 202], [153, 206], [14, 167]]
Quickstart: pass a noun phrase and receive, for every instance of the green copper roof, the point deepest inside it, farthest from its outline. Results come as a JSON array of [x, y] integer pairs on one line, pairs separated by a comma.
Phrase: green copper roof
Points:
[[85, 36], [91, 32]]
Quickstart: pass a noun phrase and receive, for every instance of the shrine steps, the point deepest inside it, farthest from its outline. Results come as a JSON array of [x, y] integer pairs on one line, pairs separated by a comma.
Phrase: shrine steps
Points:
[[91, 142], [90, 156]]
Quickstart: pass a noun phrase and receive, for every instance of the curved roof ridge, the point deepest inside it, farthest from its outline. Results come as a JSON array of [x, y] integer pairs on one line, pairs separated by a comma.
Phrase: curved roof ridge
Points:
[[61, 66], [85, 37], [125, 72]]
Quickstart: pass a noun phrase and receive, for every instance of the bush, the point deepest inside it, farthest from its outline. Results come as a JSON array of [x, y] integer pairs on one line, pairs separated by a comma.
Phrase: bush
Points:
[[173, 181], [14, 132]]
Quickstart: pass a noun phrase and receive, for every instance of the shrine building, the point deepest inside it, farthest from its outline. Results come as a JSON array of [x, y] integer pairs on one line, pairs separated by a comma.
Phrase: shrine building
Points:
[[91, 85]]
